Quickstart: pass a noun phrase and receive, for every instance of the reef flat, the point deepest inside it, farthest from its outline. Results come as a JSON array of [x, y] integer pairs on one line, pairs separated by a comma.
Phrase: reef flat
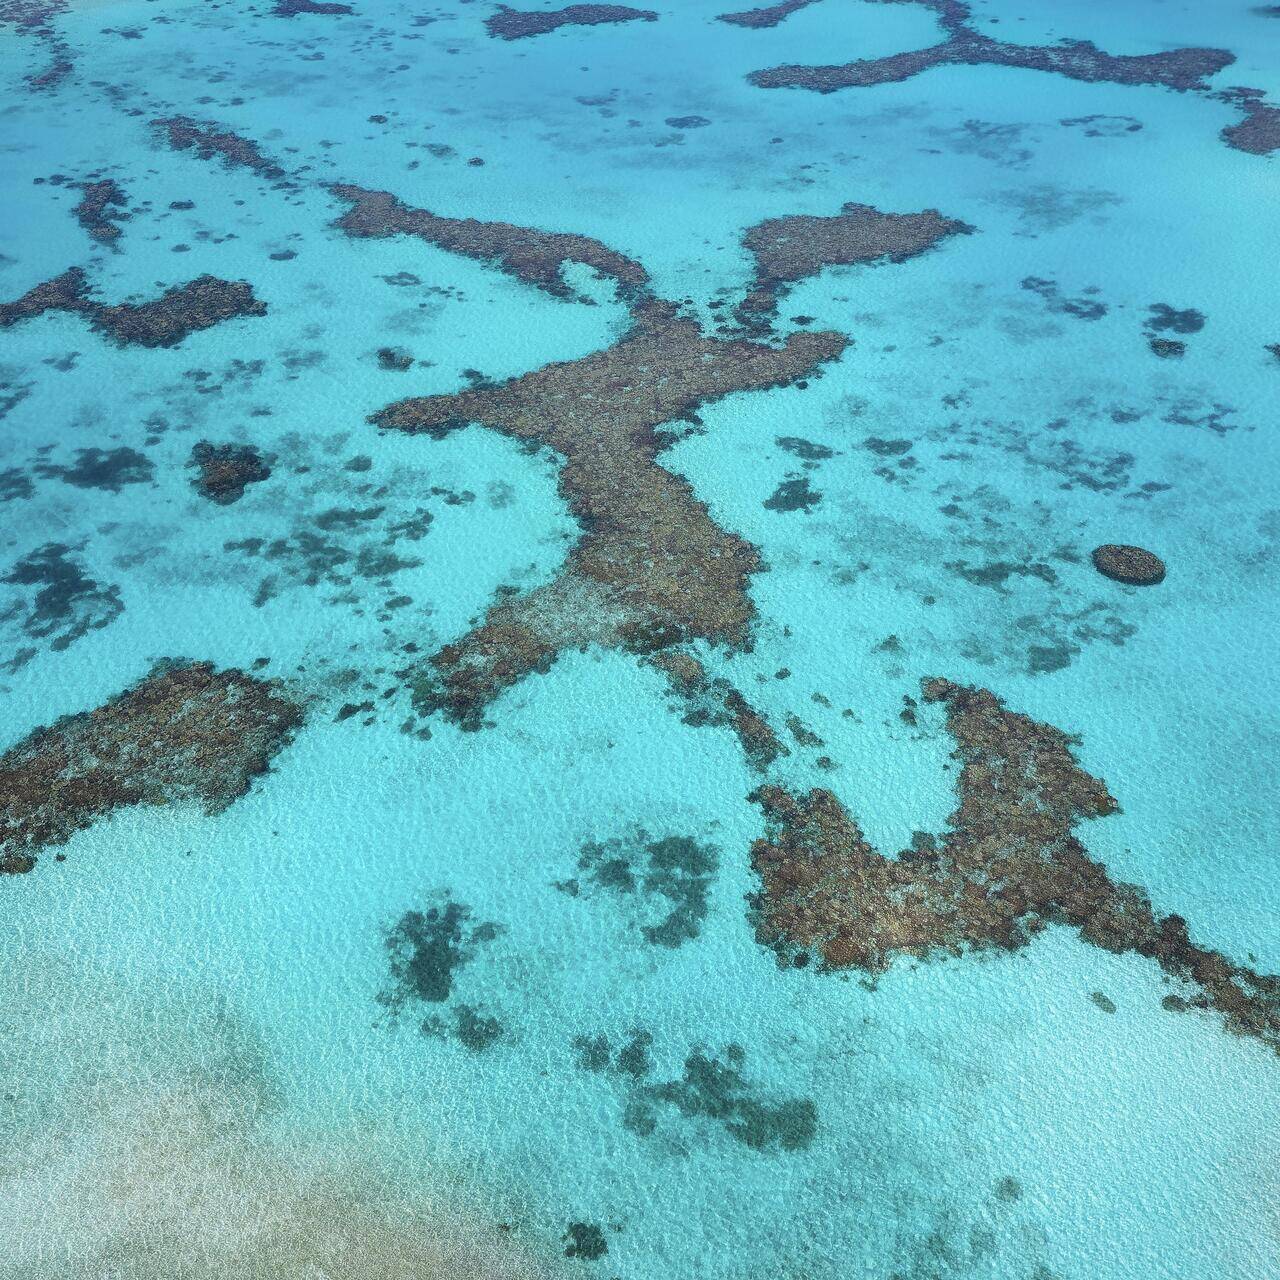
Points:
[[186, 733], [165, 321], [1184, 70], [1007, 866], [520, 24], [652, 569], [765, 16]]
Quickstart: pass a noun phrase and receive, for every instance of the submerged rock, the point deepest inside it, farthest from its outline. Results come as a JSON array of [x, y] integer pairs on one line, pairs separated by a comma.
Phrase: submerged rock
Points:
[[1135, 566]]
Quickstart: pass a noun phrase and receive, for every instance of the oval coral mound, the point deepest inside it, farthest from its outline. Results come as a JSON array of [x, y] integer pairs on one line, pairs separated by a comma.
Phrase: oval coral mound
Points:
[[1135, 566]]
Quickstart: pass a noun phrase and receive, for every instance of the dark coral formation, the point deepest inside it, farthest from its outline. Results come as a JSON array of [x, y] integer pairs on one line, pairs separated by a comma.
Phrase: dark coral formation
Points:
[[343, 548], [1085, 307], [102, 206], [516, 24], [674, 874], [34, 19], [186, 733], [394, 359], [652, 568], [425, 949], [1187, 69], [223, 470], [715, 1089], [1007, 866], [595, 1053], [1075, 59], [1135, 566], [1259, 132], [536, 257], [712, 1088], [714, 701], [764, 17], [209, 140], [1162, 318], [472, 1029], [793, 494], [786, 250], [291, 8], [66, 603], [163, 322], [107, 469], [585, 1240]]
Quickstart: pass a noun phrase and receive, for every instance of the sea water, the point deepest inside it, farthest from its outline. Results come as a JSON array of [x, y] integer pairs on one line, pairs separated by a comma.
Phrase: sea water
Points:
[[975, 1117]]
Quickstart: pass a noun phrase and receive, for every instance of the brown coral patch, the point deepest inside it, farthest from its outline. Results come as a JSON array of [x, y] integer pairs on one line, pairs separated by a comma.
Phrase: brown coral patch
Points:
[[223, 470], [1075, 59], [536, 257], [769, 16], [35, 19], [517, 24], [1259, 132], [186, 733], [102, 205], [209, 140], [652, 568], [1007, 866], [291, 8], [163, 322], [1135, 566], [789, 249], [714, 701]]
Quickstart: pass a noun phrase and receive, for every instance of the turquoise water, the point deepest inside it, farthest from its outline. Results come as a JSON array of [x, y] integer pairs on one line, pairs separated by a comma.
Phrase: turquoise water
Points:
[[179, 972]]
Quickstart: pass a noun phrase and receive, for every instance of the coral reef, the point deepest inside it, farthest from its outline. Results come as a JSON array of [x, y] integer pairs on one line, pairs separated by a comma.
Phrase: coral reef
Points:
[[714, 701], [671, 877], [536, 257], [652, 568], [1007, 866], [426, 948], [1135, 566], [163, 322], [209, 140], [1187, 69], [516, 24], [34, 19], [786, 250], [107, 469], [186, 733], [223, 470], [1259, 132], [291, 8], [66, 603], [768, 16], [712, 1088], [1075, 59], [102, 206]]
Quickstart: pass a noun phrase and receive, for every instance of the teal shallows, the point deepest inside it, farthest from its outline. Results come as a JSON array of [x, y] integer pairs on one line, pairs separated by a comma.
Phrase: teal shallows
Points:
[[975, 1117]]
